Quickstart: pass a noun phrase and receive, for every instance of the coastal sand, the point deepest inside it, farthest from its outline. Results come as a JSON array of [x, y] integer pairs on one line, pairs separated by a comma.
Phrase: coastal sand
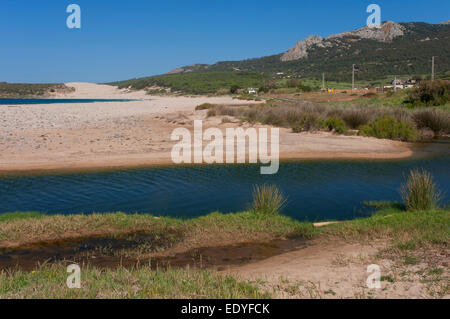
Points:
[[137, 133], [339, 269]]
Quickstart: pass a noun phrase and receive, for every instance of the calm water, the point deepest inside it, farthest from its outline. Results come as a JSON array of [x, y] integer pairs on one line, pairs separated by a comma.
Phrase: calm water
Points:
[[54, 101], [316, 190]]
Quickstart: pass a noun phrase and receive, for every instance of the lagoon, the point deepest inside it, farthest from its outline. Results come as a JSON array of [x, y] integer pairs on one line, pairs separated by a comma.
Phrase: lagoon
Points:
[[316, 190]]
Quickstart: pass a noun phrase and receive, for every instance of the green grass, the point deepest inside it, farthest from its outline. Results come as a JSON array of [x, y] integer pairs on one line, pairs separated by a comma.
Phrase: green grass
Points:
[[238, 227], [49, 282], [405, 229], [7, 217]]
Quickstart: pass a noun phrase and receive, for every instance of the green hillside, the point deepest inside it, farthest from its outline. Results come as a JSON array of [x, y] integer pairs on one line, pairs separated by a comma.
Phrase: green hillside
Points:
[[408, 55], [196, 83]]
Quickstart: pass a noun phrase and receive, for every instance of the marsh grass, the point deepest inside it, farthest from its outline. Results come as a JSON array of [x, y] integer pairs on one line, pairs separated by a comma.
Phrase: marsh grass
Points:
[[436, 120], [420, 192], [398, 123], [267, 199], [212, 228]]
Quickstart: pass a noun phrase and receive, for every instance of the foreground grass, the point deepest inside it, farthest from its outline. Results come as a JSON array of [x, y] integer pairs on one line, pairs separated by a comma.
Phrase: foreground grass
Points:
[[406, 232], [50, 282], [403, 229]]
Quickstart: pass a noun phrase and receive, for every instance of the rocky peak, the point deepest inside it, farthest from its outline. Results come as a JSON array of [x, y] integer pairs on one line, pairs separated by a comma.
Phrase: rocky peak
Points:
[[300, 50], [387, 32]]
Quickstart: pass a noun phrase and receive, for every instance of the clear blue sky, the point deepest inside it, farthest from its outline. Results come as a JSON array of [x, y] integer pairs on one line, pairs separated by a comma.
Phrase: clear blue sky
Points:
[[133, 38]]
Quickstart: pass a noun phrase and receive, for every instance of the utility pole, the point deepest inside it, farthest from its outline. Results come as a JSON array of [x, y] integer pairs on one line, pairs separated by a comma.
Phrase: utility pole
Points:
[[353, 77], [432, 68], [323, 81]]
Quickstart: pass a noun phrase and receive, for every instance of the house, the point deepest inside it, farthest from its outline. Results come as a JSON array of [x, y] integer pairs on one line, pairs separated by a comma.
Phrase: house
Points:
[[252, 91]]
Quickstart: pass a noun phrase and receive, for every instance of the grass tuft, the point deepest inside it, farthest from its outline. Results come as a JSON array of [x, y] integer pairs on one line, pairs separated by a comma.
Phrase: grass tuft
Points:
[[420, 192], [268, 200]]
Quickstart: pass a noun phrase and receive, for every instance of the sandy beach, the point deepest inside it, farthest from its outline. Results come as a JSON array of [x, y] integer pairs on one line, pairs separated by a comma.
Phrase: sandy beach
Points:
[[137, 133]]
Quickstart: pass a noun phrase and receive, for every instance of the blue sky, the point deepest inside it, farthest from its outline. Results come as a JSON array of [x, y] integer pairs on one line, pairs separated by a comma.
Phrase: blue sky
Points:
[[133, 38]]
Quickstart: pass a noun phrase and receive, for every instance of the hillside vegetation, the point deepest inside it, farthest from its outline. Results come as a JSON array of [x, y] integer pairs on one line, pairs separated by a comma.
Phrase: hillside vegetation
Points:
[[409, 54], [21, 90], [195, 83]]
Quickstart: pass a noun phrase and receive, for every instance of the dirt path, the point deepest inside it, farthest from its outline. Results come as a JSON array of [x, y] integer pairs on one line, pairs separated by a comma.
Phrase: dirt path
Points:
[[335, 270]]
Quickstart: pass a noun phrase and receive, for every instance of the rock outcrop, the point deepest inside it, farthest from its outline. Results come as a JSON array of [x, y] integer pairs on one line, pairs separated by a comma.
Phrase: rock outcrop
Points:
[[387, 32], [300, 50]]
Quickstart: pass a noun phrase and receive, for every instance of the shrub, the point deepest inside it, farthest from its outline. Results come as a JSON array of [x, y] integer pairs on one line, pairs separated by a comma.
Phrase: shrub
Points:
[[293, 83], [267, 199], [354, 118], [335, 124], [205, 106], [435, 120], [234, 89], [305, 88], [308, 122], [420, 192], [430, 93], [389, 127]]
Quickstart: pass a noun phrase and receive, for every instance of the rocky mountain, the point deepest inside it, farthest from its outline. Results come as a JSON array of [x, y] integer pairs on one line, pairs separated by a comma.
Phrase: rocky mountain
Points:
[[392, 49], [387, 32]]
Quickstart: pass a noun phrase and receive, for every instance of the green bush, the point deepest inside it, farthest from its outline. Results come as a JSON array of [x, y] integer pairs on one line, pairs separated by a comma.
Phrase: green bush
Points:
[[420, 193], [308, 122], [335, 124], [430, 93], [267, 199], [234, 88], [305, 88], [388, 127]]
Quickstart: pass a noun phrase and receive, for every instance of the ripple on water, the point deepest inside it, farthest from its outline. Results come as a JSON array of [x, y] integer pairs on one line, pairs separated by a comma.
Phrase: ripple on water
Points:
[[316, 190]]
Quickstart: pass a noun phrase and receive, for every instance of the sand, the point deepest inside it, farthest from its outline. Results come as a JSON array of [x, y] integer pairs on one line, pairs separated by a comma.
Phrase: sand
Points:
[[137, 133], [338, 269]]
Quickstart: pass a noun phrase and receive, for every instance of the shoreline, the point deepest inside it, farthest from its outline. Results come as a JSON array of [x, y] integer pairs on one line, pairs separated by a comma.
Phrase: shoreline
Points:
[[126, 162], [64, 138]]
